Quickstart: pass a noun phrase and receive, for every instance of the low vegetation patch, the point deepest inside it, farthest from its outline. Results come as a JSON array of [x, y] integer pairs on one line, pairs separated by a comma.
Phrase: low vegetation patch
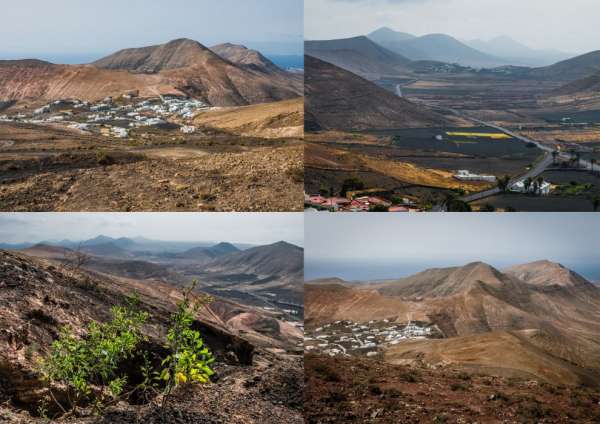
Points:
[[94, 369]]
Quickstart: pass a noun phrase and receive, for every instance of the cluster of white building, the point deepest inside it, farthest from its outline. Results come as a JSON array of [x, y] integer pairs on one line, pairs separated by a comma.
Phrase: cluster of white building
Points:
[[118, 118], [466, 175], [347, 337]]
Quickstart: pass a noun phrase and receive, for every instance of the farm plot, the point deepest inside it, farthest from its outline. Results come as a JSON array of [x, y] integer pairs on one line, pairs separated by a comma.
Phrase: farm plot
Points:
[[477, 149]]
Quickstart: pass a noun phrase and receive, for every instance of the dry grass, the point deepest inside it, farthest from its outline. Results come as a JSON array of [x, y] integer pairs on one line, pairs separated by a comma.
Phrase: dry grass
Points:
[[283, 119], [422, 176], [572, 136]]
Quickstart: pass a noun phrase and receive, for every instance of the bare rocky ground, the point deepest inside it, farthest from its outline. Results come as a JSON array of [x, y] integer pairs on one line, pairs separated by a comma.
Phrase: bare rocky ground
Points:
[[52, 170], [339, 390], [37, 297]]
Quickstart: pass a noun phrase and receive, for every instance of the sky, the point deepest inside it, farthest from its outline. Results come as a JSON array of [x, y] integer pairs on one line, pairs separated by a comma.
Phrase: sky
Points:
[[569, 26], [77, 31], [250, 228], [380, 246]]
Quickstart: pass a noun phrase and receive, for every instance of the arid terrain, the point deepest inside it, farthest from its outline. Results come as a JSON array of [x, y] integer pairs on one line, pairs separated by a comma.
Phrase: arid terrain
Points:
[[532, 325], [253, 326], [175, 127], [357, 390], [549, 115]]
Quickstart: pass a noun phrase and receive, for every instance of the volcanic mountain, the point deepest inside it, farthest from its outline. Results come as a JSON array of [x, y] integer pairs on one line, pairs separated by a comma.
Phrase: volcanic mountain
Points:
[[545, 313], [338, 99], [243, 56], [181, 67], [278, 259], [358, 55], [438, 47], [587, 85], [571, 69]]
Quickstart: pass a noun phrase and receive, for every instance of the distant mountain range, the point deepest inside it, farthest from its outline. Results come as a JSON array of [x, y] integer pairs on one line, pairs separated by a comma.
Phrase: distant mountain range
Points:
[[133, 244], [517, 53], [498, 51], [541, 318], [438, 47], [182, 67], [390, 54]]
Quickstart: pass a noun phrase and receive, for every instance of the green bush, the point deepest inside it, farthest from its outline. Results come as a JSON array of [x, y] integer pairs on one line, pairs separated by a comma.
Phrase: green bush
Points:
[[88, 366], [189, 359]]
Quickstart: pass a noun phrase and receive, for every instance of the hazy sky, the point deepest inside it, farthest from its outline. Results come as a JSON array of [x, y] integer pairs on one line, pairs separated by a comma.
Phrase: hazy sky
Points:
[[253, 228], [570, 26], [376, 246], [76, 29]]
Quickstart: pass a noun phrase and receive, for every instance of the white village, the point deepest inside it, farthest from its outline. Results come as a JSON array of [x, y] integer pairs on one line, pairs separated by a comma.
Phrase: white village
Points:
[[349, 338], [116, 117]]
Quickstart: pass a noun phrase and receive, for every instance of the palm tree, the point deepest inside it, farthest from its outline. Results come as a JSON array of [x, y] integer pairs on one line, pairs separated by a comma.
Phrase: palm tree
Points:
[[596, 203], [503, 183], [527, 184]]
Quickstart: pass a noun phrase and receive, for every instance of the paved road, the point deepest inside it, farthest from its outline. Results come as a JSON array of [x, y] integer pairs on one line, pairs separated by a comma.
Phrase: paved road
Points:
[[534, 172]]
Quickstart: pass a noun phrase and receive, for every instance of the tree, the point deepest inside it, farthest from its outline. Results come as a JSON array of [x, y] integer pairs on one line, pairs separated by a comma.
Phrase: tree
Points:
[[379, 208], [75, 259], [596, 203], [351, 184], [503, 183], [554, 156], [457, 205], [527, 184]]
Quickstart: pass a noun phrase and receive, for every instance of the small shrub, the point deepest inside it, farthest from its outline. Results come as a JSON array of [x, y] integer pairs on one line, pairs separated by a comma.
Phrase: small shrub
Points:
[[335, 397], [296, 174], [392, 392], [103, 158], [410, 376], [327, 373], [189, 360], [375, 390], [457, 386], [83, 363]]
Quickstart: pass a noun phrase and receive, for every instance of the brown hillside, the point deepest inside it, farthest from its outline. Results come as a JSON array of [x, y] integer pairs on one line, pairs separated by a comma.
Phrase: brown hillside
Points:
[[268, 120], [182, 67], [338, 99]]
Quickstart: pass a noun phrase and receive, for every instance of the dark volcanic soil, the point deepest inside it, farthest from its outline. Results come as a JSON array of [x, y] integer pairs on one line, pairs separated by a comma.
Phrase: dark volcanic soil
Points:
[[367, 391]]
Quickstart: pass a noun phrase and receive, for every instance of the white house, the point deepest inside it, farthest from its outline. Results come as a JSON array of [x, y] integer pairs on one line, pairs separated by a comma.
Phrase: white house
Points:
[[465, 175], [543, 189]]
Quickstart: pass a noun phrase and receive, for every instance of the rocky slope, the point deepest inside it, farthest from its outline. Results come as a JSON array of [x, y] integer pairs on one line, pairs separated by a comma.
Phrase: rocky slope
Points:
[[358, 55], [38, 296], [243, 56], [338, 99], [354, 390]]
